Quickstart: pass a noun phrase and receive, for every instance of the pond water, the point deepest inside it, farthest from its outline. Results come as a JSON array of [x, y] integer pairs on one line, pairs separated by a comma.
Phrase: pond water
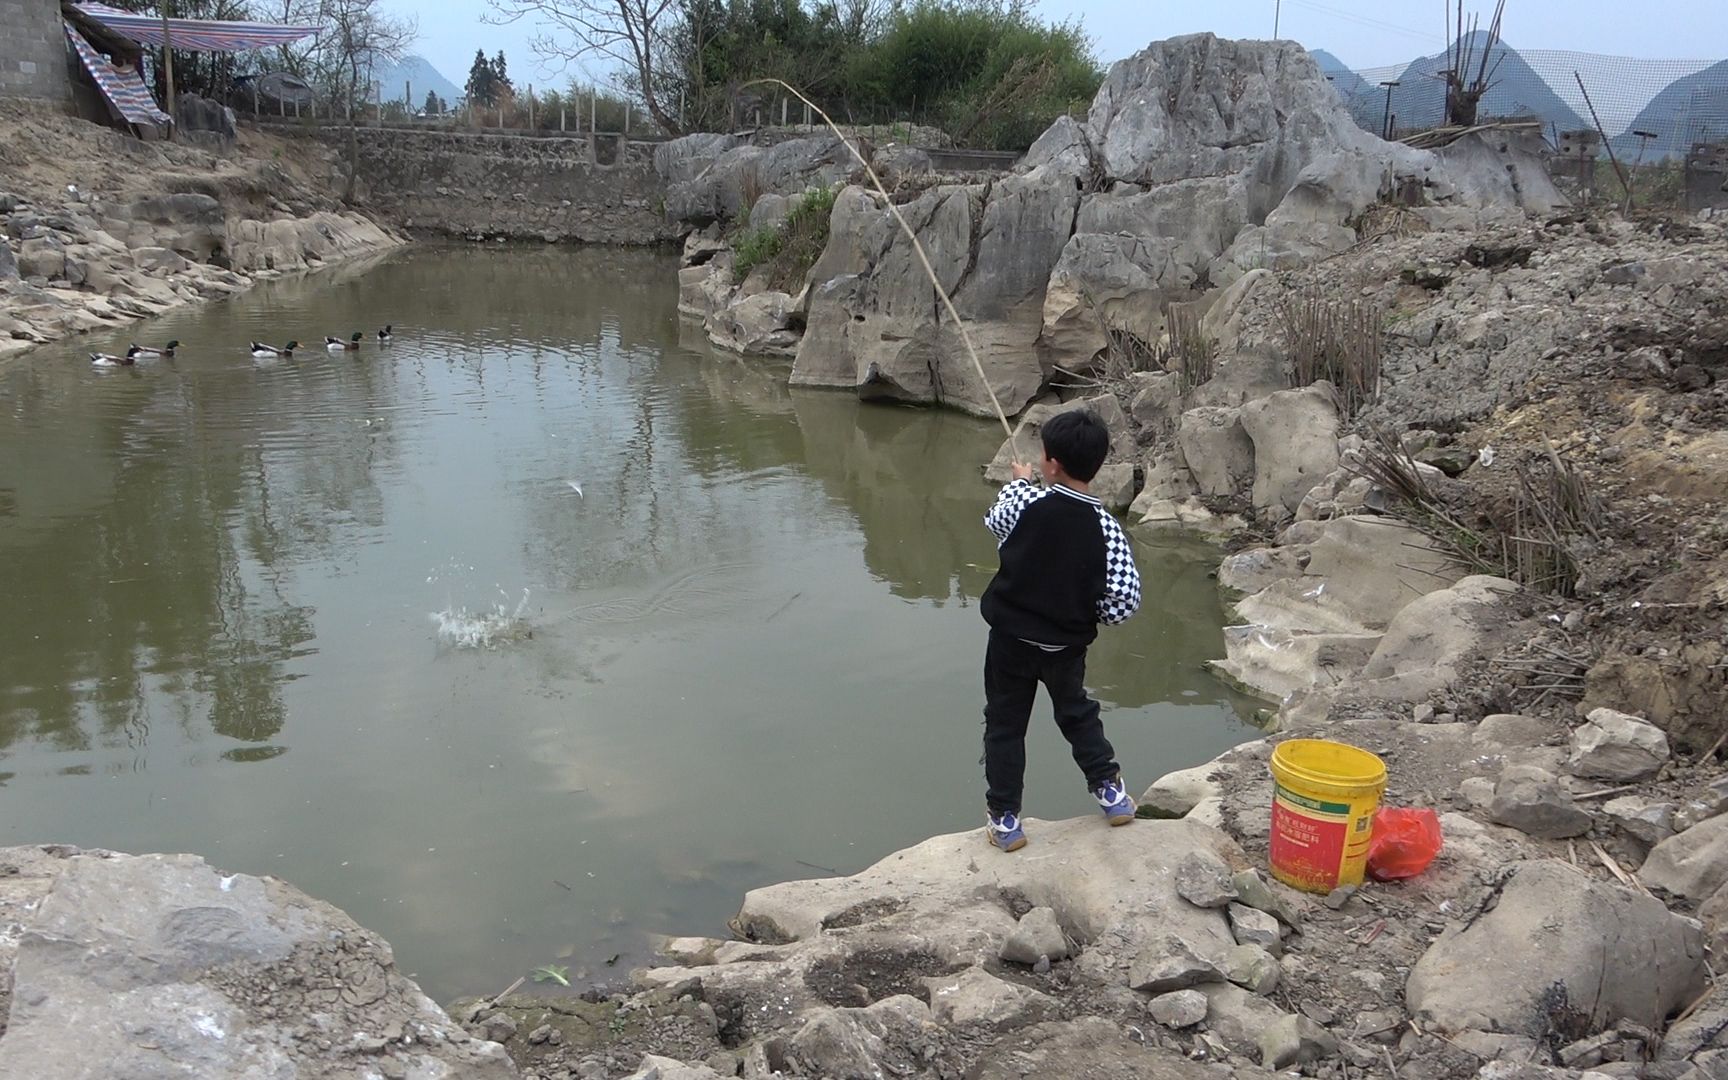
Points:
[[345, 618]]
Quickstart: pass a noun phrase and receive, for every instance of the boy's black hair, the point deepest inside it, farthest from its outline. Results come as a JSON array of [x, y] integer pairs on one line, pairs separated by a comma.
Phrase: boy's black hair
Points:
[[1079, 441]]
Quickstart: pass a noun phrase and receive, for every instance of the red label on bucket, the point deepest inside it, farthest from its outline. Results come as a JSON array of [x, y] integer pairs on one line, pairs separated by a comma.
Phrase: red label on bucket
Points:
[[1304, 847]]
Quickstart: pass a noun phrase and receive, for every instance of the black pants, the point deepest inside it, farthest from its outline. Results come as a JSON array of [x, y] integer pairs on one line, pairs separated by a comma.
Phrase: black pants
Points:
[[1012, 672]]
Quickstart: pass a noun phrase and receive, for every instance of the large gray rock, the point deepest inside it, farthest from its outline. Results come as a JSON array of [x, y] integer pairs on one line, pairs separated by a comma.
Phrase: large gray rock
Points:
[[1252, 968], [1692, 864], [1295, 437], [1026, 443], [1612, 745], [873, 327], [1295, 1040], [8, 262], [1216, 449], [1237, 1017], [159, 965], [854, 1044], [1559, 954], [1204, 880], [1169, 963], [977, 997], [1090, 1048], [727, 187], [755, 324], [1532, 801], [1178, 1008], [1037, 936], [655, 1067], [683, 159]]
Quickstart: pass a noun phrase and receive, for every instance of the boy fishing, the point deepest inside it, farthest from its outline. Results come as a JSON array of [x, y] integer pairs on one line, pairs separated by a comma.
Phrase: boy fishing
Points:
[[1066, 567]]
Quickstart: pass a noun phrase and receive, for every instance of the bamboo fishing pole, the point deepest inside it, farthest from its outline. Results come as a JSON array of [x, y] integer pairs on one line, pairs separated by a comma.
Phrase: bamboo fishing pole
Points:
[[917, 248]]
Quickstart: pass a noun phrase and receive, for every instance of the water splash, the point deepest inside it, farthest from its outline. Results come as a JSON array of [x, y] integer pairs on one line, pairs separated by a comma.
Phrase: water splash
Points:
[[501, 624]]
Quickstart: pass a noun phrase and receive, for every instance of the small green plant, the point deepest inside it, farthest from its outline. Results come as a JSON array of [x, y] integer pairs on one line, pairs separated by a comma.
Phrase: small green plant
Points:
[[791, 248], [557, 973]]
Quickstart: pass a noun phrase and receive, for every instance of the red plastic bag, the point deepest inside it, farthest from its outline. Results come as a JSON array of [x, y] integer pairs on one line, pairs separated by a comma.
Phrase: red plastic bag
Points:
[[1405, 841]]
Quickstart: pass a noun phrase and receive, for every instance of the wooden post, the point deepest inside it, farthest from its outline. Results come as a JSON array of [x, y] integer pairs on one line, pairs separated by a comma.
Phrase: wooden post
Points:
[[560, 118], [783, 112], [592, 95], [626, 118], [806, 116], [530, 106], [168, 65], [255, 97], [378, 101], [408, 98]]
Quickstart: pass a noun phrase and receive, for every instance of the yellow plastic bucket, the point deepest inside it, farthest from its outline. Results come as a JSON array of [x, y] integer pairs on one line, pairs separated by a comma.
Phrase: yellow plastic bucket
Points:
[[1324, 795]]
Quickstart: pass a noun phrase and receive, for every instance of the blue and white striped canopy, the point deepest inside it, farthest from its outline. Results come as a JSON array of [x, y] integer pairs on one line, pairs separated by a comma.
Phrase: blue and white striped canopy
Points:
[[123, 87], [195, 35]]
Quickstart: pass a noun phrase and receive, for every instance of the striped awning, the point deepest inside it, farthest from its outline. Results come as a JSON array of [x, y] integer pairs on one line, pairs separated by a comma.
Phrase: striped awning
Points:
[[123, 87], [195, 35]]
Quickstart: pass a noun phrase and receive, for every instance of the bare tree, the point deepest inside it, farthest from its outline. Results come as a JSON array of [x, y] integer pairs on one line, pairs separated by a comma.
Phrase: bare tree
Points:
[[626, 32], [357, 34]]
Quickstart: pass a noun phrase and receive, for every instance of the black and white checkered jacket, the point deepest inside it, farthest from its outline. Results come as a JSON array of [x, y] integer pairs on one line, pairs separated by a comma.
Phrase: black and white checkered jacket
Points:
[[1066, 566]]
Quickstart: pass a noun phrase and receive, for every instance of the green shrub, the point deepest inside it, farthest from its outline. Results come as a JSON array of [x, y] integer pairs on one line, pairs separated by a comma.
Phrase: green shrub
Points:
[[790, 249]]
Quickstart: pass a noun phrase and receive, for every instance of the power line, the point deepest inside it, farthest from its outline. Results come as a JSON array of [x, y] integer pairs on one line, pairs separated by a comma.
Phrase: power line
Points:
[[1362, 20]]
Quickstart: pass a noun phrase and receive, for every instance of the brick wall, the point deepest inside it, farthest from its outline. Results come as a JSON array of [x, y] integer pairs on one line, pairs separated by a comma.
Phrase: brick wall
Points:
[[33, 51]]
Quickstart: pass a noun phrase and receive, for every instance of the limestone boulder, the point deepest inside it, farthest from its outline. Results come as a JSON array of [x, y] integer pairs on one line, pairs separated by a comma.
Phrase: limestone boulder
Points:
[[8, 261], [1112, 891], [1216, 450], [1692, 864], [1157, 401], [1295, 437], [683, 159], [655, 1067], [157, 260], [43, 257], [1087, 1048], [1559, 954], [727, 186], [1222, 323], [1437, 633], [1531, 800], [977, 997], [1115, 486], [770, 211], [160, 965], [855, 1044], [758, 324], [1612, 745], [1037, 936], [1026, 444]]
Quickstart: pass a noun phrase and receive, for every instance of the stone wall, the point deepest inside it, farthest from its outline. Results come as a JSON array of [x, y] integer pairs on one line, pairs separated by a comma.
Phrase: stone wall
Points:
[[586, 188], [33, 50]]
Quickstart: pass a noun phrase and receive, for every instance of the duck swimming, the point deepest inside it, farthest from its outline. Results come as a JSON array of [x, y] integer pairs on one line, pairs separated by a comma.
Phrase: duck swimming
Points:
[[166, 350], [350, 345], [107, 360], [384, 335], [260, 349]]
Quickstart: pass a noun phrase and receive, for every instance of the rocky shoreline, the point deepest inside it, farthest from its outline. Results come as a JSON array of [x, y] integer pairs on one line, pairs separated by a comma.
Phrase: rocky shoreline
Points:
[[105, 230], [1498, 564]]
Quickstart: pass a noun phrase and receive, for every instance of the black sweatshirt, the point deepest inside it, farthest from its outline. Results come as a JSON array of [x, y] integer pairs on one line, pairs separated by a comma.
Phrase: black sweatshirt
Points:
[[1066, 566]]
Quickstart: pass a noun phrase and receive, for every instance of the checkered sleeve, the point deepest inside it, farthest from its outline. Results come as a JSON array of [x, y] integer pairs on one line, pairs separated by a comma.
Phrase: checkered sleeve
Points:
[[1011, 502], [1121, 576]]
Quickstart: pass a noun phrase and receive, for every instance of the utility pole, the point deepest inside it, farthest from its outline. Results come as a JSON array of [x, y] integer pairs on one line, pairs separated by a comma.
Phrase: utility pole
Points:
[[1386, 122], [1277, 17]]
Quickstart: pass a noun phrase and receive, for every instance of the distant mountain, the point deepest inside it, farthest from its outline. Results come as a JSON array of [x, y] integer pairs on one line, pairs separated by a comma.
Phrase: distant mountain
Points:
[[1692, 109], [1349, 84], [417, 74], [1419, 101]]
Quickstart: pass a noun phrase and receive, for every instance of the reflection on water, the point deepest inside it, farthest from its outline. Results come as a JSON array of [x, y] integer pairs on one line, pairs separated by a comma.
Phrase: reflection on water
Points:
[[347, 618]]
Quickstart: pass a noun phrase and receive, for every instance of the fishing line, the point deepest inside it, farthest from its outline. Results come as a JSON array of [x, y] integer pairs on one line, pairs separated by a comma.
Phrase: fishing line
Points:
[[917, 247]]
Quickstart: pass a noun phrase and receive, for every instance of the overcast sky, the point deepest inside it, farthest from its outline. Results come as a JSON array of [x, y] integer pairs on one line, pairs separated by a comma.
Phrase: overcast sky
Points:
[[1363, 33]]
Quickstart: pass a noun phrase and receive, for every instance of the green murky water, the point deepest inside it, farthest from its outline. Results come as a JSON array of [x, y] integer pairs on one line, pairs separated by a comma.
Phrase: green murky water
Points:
[[345, 620]]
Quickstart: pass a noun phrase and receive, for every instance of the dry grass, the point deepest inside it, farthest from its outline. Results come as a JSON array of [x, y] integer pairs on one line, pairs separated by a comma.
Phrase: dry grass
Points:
[[1534, 541], [1339, 341], [1184, 351]]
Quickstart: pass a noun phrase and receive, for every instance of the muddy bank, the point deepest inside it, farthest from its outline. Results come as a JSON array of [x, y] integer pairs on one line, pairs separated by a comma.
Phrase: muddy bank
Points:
[[102, 229]]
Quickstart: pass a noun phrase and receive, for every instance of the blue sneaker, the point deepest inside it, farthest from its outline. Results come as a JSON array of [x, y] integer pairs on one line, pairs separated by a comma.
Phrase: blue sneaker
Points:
[[1005, 831], [1114, 799]]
